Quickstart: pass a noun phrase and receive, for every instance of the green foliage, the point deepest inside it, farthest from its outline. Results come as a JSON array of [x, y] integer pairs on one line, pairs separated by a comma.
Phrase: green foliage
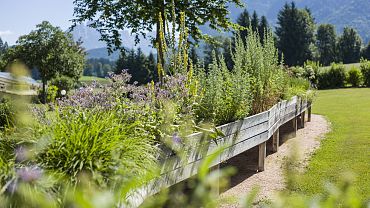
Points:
[[365, 70], [7, 117], [105, 145], [354, 77], [225, 94], [295, 33], [326, 44], [260, 61], [366, 52], [99, 67], [295, 86], [51, 94], [258, 25], [141, 67], [52, 51], [111, 17], [62, 83], [349, 46], [335, 77]]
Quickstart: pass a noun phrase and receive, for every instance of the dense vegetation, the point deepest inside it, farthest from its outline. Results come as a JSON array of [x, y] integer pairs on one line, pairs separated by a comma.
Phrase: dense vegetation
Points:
[[109, 134]]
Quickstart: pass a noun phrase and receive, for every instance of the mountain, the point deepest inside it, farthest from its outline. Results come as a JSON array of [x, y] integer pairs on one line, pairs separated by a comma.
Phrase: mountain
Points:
[[341, 13], [95, 48], [102, 53]]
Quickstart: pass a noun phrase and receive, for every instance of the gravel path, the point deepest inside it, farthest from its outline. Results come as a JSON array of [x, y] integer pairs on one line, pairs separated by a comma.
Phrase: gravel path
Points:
[[272, 180]]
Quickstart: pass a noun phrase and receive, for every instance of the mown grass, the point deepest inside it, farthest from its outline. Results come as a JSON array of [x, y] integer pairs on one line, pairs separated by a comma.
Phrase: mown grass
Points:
[[346, 149], [346, 66], [90, 79]]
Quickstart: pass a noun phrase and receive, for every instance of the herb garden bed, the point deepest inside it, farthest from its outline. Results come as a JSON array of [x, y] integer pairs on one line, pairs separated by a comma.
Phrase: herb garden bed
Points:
[[238, 137]]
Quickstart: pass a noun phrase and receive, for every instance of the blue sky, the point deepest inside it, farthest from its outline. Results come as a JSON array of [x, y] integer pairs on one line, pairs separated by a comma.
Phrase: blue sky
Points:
[[19, 17]]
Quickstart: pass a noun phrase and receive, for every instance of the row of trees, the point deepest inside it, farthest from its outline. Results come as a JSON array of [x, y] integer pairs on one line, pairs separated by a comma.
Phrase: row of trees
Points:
[[299, 40], [141, 67]]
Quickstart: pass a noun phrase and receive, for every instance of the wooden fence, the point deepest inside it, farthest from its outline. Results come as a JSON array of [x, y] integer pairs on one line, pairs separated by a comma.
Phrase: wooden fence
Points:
[[239, 136]]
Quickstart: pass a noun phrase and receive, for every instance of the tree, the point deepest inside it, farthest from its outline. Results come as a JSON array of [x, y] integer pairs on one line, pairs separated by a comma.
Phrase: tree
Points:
[[255, 21], [3, 49], [326, 44], [244, 21], [193, 55], [295, 32], [50, 50], [151, 67], [349, 46], [109, 17], [263, 27], [366, 52]]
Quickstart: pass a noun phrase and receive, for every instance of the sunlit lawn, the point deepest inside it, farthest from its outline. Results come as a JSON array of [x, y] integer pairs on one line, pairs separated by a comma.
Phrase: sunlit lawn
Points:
[[346, 148]]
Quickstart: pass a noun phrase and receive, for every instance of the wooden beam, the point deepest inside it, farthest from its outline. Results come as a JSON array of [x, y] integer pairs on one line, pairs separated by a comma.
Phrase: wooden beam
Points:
[[309, 114], [275, 141], [261, 156]]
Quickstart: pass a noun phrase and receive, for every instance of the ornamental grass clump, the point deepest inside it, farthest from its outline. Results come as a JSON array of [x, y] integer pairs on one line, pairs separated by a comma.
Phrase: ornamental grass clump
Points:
[[107, 146]]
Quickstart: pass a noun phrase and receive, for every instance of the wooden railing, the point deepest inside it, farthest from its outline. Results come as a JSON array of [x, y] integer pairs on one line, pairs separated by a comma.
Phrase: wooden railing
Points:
[[239, 136]]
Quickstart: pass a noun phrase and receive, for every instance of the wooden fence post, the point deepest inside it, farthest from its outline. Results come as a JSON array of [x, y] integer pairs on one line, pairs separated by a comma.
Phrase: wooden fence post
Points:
[[261, 156], [309, 114], [303, 116], [275, 141], [295, 120]]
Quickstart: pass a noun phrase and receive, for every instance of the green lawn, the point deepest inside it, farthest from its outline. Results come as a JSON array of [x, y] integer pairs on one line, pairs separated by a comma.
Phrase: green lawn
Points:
[[347, 66], [90, 79], [347, 147]]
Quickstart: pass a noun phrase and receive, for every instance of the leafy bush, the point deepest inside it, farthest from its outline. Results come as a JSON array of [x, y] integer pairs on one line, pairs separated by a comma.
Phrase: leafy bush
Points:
[[51, 94], [335, 77], [365, 69], [62, 83], [354, 77], [7, 117], [295, 86], [311, 69]]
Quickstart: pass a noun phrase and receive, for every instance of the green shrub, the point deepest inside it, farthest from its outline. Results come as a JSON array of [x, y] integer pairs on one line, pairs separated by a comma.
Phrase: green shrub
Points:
[[295, 86], [51, 94], [365, 69], [354, 77], [62, 83], [7, 117], [335, 77], [311, 69], [225, 94]]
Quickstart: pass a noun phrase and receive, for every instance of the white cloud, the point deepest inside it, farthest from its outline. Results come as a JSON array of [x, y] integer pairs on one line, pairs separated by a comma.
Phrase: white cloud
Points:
[[6, 33]]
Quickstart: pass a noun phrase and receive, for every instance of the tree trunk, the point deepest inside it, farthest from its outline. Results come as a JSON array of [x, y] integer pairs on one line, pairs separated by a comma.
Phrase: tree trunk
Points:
[[43, 91]]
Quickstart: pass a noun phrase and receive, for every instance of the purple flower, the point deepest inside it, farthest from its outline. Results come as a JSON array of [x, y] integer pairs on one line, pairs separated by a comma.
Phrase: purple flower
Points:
[[29, 174], [176, 139]]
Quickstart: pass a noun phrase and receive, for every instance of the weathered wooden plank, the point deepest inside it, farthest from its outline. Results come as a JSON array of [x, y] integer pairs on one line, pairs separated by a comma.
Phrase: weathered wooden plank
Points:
[[201, 151]]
